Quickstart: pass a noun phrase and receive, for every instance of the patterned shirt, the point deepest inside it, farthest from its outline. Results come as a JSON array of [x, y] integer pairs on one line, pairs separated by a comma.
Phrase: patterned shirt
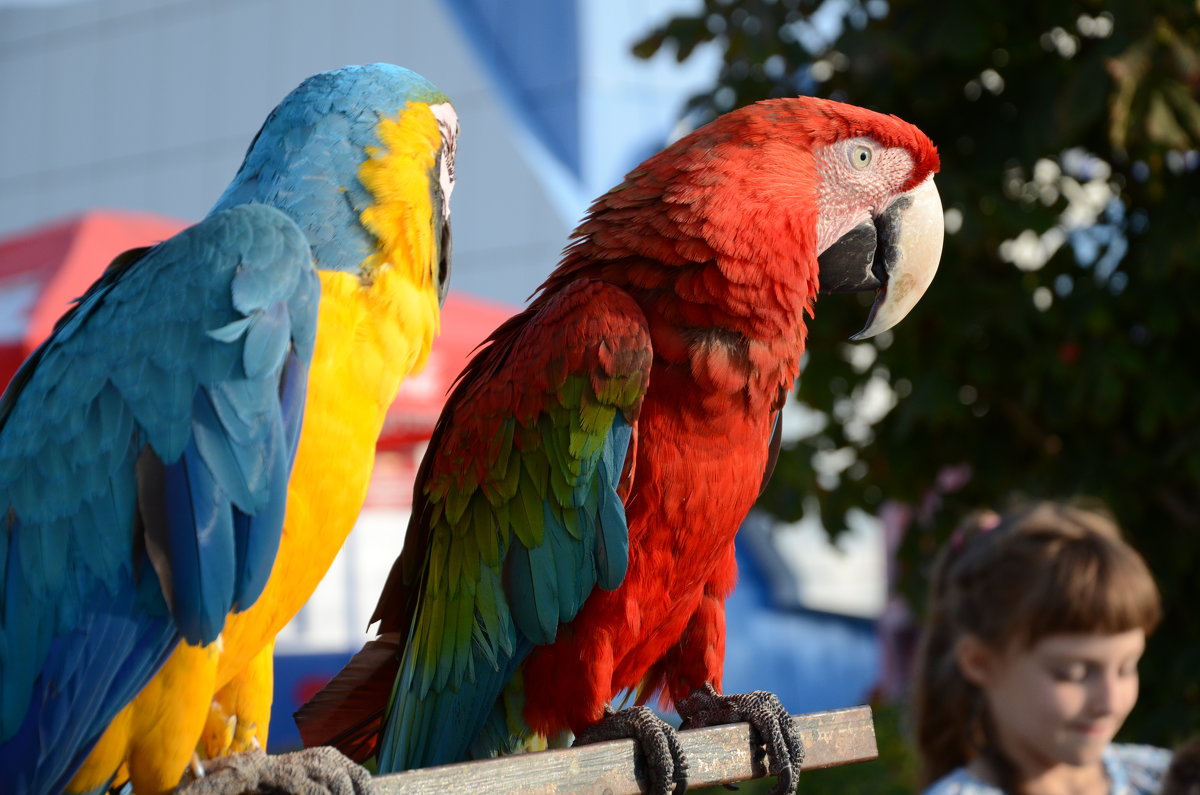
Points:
[[1132, 769]]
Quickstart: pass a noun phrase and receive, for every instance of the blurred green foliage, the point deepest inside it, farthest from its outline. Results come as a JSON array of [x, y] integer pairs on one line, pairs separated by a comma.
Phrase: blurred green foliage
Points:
[[1056, 352]]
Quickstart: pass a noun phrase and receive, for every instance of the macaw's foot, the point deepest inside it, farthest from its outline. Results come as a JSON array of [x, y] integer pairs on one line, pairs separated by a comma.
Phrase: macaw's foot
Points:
[[666, 765], [762, 710], [313, 771]]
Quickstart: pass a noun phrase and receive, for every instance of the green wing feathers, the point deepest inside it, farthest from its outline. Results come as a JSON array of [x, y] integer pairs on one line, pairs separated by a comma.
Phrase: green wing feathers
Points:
[[518, 516]]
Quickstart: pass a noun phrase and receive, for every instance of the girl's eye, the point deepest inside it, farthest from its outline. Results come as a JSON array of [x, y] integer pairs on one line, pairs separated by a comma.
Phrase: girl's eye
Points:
[[1076, 672], [860, 157]]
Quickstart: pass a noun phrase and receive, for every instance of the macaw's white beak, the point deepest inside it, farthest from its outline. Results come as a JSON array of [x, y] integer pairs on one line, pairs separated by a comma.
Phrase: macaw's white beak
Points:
[[896, 254]]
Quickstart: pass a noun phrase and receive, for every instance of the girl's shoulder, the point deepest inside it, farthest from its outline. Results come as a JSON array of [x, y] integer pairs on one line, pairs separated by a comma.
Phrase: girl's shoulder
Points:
[[1133, 769], [960, 782], [1136, 769]]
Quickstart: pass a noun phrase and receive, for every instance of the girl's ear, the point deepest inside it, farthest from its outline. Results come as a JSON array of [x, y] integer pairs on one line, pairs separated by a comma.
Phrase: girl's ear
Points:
[[975, 659]]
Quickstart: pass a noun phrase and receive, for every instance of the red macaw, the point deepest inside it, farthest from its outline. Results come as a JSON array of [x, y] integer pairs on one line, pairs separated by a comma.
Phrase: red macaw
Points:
[[572, 534]]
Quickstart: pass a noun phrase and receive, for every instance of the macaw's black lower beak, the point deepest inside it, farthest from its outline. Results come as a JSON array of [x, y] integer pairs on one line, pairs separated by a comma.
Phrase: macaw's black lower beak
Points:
[[443, 274], [848, 266], [896, 254]]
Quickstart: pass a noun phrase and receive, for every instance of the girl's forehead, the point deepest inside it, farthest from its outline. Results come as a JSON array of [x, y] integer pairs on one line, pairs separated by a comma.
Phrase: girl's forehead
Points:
[[1099, 647]]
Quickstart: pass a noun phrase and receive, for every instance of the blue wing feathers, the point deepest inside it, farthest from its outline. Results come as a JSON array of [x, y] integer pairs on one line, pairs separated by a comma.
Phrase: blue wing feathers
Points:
[[291, 398], [257, 534], [439, 731], [240, 408], [548, 583], [200, 547], [235, 465], [569, 572], [267, 342], [612, 536], [528, 595], [144, 455]]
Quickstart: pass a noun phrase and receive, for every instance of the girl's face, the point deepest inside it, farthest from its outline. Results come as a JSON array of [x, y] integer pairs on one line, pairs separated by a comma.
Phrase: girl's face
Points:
[[1061, 701]]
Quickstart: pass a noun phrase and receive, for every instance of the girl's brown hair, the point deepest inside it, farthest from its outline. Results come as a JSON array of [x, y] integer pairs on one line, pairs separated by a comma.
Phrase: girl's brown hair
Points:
[[1011, 580]]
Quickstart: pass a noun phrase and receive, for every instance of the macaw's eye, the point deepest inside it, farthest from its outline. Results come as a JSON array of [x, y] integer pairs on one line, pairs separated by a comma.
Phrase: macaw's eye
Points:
[[860, 157]]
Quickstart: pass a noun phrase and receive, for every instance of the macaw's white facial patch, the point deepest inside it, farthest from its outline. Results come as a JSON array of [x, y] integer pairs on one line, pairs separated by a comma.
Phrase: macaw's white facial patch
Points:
[[447, 121], [859, 177]]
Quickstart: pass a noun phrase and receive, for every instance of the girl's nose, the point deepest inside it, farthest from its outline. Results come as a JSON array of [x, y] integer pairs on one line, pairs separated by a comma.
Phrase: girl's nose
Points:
[[1105, 693]]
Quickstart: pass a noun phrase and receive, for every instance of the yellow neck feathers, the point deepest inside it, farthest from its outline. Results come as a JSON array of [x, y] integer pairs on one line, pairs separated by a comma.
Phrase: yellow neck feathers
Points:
[[399, 175]]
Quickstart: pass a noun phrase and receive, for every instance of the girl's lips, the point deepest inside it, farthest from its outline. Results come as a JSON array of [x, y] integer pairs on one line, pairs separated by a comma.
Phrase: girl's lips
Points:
[[1092, 729]]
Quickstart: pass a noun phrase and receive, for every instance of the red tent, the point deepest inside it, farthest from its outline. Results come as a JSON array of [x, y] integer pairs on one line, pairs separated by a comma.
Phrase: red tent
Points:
[[44, 269]]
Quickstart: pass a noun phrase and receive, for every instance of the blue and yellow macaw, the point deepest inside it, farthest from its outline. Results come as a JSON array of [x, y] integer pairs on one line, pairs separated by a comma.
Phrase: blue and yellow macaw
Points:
[[144, 457], [145, 448]]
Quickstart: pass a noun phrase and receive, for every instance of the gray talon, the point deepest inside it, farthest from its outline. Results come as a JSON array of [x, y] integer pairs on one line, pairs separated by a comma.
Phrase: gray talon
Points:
[[765, 714], [666, 764]]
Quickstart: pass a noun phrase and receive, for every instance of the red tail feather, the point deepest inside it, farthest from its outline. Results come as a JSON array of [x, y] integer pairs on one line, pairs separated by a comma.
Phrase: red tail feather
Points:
[[347, 712]]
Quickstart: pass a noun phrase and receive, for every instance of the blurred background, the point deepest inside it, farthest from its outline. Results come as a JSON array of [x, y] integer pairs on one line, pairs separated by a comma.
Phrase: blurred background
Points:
[[1049, 358]]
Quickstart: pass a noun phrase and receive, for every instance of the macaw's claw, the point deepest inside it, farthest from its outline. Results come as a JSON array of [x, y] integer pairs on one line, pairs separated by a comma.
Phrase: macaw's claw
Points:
[[666, 764], [313, 771], [764, 713]]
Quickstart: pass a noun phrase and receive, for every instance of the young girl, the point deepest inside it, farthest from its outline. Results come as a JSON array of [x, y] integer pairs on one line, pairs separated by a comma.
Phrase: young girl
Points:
[[1028, 662]]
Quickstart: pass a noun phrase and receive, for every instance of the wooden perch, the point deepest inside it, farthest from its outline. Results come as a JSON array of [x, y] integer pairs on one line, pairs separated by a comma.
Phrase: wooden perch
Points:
[[716, 755]]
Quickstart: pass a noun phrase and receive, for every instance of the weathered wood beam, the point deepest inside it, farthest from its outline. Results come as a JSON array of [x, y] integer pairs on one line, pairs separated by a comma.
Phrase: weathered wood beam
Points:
[[716, 755]]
